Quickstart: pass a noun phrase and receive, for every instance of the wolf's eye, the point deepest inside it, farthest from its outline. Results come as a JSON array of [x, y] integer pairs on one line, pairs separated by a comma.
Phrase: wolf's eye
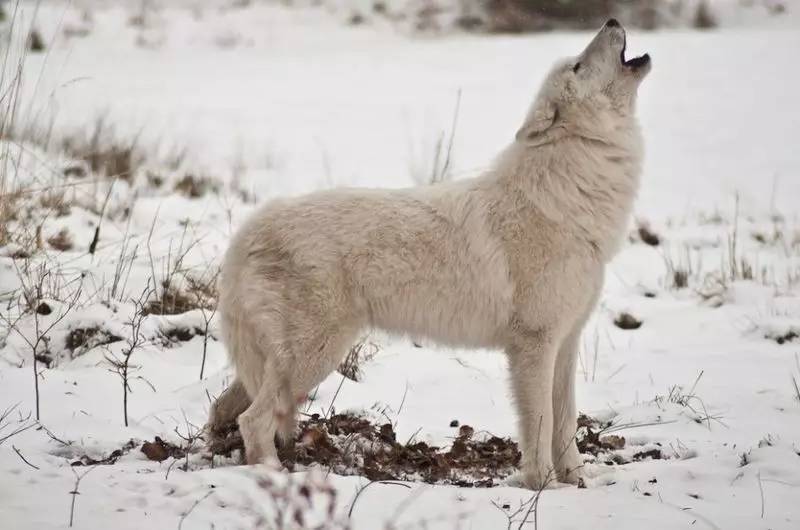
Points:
[[576, 67]]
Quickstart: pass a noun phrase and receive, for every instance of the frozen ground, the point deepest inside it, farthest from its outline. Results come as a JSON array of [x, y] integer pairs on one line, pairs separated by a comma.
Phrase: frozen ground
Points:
[[291, 101]]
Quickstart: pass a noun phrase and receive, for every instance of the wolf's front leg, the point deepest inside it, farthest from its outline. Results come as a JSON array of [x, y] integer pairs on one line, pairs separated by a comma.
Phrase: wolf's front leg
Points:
[[566, 458], [532, 362]]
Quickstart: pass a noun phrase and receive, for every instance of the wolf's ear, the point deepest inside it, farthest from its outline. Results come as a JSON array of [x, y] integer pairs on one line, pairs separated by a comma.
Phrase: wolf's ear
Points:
[[540, 118]]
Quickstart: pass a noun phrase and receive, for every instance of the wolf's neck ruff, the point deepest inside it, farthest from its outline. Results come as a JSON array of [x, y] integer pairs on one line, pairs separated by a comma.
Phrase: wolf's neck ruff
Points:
[[585, 185]]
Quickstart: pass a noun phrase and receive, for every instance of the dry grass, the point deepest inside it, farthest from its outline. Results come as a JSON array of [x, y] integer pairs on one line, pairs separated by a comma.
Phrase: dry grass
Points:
[[439, 168], [8, 213], [679, 270], [54, 202], [363, 351], [679, 395], [704, 18], [740, 250], [171, 302], [195, 187], [104, 150], [192, 294]]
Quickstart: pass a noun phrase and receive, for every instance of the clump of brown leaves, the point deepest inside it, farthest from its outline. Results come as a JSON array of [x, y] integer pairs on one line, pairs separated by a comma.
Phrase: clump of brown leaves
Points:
[[352, 445]]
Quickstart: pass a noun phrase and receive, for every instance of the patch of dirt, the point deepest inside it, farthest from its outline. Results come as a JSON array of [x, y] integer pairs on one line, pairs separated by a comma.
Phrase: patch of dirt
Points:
[[594, 439], [347, 444], [647, 236], [653, 454], [789, 336], [352, 445], [81, 340], [182, 334], [61, 241], [627, 321], [86, 460], [590, 439]]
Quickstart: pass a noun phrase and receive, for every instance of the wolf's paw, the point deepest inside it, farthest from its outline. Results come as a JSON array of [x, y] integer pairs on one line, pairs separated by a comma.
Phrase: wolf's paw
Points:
[[534, 481], [597, 475], [568, 469], [227, 407]]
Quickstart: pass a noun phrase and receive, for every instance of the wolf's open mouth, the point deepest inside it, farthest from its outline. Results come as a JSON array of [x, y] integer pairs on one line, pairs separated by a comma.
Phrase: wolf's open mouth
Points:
[[636, 62]]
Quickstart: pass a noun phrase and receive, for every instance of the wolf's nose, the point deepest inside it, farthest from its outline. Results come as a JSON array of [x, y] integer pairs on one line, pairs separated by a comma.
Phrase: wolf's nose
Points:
[[613, 23]]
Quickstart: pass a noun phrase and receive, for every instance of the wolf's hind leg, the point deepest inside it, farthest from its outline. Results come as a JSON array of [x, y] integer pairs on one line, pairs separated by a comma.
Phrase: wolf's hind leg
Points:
[[258, 423], [227, 407], [314, 360]]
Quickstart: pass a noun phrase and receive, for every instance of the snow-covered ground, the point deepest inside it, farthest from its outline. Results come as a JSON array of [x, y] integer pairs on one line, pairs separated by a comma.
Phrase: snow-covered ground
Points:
[[266, 101]]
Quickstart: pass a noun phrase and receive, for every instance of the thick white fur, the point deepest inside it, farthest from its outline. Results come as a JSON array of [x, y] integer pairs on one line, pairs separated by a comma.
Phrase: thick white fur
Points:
[[512, 260]]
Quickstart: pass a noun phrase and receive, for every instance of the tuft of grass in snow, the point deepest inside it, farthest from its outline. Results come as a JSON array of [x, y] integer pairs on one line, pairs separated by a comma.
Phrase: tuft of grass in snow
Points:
[[679, 395], [121, 364], [195, 187], [680, 270], [35, 315], [703, 17], [10, 427], [439, 167], [106, 152], [361, 352]]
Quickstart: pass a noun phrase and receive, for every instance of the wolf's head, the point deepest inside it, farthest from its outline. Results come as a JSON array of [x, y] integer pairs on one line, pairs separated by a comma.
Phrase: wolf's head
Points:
[[588, 93]]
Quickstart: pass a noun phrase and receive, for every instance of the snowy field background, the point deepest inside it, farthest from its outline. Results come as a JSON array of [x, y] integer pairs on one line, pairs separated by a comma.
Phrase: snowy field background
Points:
[[196, 114]]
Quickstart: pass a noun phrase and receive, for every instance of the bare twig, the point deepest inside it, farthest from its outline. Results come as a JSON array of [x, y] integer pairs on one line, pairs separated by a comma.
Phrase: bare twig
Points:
[[53, 436], [405, 503], [414, 435], [201, 291], [446, 166], [193, 433], [400, 408], [191, 509], [75, 492], [368, 484], [122, 366], [19, 454], [526, 508], [333, 400], [4, 423], [33, 296]]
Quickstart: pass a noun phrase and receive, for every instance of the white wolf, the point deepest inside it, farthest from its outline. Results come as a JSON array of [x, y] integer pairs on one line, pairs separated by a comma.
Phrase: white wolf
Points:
[[513, 260]]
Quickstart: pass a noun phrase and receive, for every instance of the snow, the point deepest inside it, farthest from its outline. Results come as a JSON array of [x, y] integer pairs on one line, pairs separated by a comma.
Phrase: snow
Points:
[[269, 101]]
